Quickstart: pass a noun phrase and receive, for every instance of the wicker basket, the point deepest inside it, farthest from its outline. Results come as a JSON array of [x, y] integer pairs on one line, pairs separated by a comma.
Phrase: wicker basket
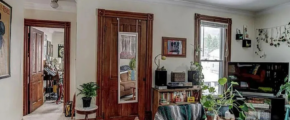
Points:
[[177, 76]]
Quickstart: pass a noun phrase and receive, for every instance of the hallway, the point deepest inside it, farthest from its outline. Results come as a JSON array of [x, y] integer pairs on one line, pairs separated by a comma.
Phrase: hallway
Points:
[[48, 111]]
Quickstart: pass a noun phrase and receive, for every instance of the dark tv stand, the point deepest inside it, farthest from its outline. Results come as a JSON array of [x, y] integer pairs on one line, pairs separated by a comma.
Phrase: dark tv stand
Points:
[[276, 107]]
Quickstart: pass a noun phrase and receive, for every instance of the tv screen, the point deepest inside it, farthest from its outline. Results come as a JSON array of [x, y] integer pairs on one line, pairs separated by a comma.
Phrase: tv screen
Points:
[[258, 77]]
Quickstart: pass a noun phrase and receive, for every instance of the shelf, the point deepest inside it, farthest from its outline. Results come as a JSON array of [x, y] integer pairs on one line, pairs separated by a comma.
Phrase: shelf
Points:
[[173, 90], [183, 103]]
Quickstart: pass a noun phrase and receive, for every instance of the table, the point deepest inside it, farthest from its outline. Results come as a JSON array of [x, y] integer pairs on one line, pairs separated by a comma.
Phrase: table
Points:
[[86, 111]]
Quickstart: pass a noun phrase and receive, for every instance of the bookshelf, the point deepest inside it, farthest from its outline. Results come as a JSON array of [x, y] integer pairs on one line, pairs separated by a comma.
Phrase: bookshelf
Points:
[[170, 94]]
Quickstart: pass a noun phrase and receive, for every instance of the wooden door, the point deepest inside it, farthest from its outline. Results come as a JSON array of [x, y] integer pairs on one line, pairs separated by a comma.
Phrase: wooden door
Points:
[[36, 69], [112, 110]]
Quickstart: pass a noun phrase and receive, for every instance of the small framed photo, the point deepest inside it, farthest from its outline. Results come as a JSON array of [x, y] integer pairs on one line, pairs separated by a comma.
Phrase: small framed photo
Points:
[[246, 33], [173, 47]]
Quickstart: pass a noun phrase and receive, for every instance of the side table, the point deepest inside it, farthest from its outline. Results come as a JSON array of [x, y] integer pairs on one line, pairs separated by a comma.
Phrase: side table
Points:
[[86, 111]]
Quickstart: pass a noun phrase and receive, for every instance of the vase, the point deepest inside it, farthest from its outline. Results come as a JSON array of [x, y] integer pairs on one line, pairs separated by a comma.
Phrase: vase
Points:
[[223, 110], [86, 101]]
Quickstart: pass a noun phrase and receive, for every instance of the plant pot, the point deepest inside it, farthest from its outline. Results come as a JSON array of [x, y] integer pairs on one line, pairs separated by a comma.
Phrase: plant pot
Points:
[[86, 101], [210, 116], [223, 110]]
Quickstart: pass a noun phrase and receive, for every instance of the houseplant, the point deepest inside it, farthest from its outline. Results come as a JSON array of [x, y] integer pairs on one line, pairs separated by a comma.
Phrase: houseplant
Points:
[[285, 87], [88, 90], [199, 75], [224, 102]]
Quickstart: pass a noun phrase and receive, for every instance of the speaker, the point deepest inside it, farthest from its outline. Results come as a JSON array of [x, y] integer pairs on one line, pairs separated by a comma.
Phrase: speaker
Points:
[[161, 78], [277, 109], [193, 77]]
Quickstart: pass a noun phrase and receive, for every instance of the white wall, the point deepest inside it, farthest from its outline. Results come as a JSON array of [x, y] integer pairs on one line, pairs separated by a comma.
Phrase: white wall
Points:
[[271, 18], [169, 20], [57, 38], [11, 100], [60, 16]]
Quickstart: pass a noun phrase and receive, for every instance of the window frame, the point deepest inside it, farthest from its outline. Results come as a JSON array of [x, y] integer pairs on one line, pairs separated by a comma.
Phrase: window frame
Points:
[[227, 44]]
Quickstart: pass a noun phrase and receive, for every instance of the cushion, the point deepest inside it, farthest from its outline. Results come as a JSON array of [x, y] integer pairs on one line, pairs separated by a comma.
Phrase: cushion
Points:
[[124, 77], [124, 68]]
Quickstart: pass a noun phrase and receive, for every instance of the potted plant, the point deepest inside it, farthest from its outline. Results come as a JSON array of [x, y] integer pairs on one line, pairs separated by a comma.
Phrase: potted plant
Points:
[[199, 75], [218, 105], [285, 87], [88, 90]]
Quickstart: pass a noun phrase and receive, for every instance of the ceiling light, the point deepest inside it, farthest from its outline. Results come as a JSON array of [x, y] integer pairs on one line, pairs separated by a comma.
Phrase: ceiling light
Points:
[[54, 4]]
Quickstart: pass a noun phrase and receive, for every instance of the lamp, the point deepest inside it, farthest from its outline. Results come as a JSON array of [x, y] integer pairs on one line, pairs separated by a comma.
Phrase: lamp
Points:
[[158, 65], [54, 4]]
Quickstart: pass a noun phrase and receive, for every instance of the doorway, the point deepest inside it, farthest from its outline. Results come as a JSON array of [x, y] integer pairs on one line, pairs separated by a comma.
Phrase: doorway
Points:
[[124, 83], [46, 67]]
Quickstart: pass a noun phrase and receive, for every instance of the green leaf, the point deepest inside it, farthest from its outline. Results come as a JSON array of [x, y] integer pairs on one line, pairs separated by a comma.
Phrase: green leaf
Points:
[[251, 106], [231, 106], [211, 90], [204, 87], [286, 79], [242, 115], [235, 83], [223, 81]]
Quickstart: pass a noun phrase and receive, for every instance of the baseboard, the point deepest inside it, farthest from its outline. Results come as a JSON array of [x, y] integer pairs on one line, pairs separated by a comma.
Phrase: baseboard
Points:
[[89, 119]]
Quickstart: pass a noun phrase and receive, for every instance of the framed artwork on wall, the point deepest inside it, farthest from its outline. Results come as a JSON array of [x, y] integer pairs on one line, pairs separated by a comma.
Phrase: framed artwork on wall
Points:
[[5, 38], [246, 34], [60, 50], [173, 47]]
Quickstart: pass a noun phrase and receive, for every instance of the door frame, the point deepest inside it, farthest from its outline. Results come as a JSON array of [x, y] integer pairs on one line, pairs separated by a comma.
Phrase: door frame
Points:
[[102, 14], [49, 24]]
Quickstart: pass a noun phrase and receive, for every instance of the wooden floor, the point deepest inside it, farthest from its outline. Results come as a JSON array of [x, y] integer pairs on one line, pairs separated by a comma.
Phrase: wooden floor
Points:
[[48, 111]]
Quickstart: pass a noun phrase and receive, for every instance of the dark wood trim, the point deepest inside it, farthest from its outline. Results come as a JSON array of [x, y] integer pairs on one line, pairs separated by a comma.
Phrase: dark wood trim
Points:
[[49, 24], [102, 13], [198, 18]]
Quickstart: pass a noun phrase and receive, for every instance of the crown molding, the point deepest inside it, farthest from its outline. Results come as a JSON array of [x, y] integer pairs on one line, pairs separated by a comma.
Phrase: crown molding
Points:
[[273, 9], [38, 6], [201, 6]]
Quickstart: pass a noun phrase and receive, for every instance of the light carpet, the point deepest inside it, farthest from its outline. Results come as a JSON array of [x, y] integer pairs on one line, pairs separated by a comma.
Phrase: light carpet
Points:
[[48, 111]]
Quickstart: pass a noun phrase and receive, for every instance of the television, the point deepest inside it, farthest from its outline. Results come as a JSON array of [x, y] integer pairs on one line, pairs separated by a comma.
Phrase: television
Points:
[[258, 77]]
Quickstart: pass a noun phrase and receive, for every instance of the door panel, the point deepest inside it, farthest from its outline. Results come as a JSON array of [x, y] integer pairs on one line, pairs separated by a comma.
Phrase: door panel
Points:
[[109, 83], [36, 71]]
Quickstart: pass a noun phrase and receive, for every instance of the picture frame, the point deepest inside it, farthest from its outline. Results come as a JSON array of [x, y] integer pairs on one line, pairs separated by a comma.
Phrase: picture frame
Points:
[[5, 39], [246, 33], [173, 47], [60, 50]]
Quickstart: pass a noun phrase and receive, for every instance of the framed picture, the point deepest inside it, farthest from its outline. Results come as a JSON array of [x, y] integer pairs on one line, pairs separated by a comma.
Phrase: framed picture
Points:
[[173, 47], [60, 50], [45, 47], [5, 38], [128, 42], [246, 34]]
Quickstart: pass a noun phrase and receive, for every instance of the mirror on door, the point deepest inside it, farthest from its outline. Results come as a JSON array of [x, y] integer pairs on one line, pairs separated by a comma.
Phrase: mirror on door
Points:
[[128, 67]]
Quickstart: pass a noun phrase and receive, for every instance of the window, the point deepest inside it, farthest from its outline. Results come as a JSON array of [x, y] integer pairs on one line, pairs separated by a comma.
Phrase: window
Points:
[[212, 40]]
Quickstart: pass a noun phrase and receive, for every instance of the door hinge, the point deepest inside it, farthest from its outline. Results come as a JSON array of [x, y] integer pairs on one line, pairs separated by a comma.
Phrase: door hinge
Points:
[[144, 79]]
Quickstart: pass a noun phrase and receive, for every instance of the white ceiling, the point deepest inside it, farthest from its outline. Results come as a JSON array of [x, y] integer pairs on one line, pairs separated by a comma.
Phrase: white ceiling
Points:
[[50, 30], [248, 5], [234, 6]]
